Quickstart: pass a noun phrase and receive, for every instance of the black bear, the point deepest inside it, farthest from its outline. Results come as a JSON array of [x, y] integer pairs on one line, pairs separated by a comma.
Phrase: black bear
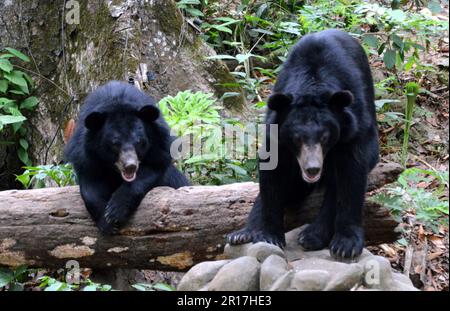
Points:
[[120, 150], [323, 105]]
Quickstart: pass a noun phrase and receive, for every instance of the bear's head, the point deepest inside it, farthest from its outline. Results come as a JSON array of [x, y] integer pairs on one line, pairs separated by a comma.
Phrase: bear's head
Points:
[[311, 125], [121, 138]]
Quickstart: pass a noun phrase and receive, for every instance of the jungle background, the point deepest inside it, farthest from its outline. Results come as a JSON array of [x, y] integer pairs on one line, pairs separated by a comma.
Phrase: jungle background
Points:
[[216, 61]]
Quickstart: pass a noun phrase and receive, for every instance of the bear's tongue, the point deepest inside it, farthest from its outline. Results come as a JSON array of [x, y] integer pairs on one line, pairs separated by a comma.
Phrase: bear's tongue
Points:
[[128, 175]]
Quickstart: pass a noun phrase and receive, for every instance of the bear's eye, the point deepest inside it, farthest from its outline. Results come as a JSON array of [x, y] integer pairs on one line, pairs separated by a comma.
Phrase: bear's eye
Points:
[[324, 138], [115, 144], [141, 142]]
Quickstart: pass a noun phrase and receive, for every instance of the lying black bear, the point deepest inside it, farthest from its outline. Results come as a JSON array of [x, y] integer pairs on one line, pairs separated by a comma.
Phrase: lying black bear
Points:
[[120, 150], [323, 104]]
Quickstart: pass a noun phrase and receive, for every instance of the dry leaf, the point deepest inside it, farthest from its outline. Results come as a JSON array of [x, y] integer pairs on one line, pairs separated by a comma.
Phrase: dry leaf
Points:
[[434, 255]]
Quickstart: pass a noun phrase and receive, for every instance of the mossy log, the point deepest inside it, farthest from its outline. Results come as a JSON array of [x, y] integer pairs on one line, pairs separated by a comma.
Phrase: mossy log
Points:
[[172, 229]]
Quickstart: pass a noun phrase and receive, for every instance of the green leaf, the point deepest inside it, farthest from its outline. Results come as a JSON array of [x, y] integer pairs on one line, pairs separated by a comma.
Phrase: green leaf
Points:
[[371, 41], [6, 277], [24, 179], [222, 28], [16, 78], [56, 286], [90, 288], [5, 101], [143, 287], [398, 41], [220, 57], [7, 119], [3, 86], [164, 287], [243, 57], [29, 103], [23, 143], [23, 156], [18, 54], [6, 56], [17, 92], [5, 65], [194, 12], [389, 58], [187, 2]]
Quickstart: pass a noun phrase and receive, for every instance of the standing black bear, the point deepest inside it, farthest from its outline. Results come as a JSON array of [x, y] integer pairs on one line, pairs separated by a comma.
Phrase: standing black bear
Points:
[[120, 150], [323, 104]]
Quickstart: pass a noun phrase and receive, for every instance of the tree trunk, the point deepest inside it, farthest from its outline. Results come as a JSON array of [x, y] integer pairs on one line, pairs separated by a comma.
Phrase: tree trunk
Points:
[[172, 229], [74, 51]]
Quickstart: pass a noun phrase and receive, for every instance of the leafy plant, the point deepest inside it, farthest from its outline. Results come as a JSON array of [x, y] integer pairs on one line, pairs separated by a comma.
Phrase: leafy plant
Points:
[[50, 284], [411, 194], [15, 86], [153, 287], [94, 287], [13, 279], [189, 6], [196, 116], [186, 110], [37, 176], [399, 35]]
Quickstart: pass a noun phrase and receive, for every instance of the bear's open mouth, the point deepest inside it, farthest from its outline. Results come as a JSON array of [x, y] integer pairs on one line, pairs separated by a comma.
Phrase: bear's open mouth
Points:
[[311, 179], [128, 175]]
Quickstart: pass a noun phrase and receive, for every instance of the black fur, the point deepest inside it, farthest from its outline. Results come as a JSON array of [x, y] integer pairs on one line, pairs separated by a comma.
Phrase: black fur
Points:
[[113, 115], [324, 94]]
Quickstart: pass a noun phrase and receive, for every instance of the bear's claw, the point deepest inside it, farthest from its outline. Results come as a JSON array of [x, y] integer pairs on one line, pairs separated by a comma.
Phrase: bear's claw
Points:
[[314, 237], [246, 236]]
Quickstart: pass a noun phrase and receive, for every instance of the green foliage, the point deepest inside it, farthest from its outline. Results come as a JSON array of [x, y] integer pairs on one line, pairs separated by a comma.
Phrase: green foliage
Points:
[[15, 98], [188, 6], [431, 207], [153, 287], [398, 35], [196, 116], [37, 176], [13, 279], [186, 110], [50, 284]]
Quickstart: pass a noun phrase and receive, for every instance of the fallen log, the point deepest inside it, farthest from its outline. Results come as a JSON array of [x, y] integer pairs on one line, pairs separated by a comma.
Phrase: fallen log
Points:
[[172, 229]]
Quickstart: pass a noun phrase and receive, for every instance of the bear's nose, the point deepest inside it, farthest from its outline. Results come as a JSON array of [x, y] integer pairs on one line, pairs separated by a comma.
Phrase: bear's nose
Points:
[[313, 171]]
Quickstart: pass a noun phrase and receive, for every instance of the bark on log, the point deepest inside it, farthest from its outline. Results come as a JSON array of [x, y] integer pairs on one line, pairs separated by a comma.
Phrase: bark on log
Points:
[[172, 229]]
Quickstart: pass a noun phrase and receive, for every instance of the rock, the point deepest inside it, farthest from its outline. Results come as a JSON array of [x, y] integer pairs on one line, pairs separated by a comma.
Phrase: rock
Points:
[[294, 252], [262, 250], [284, 282], [309, 280], [377, 272], [272, 269], [197, 277], [241, 274], [346, 279], [236, 251], [400, 277], [400, 286], [297, 269]]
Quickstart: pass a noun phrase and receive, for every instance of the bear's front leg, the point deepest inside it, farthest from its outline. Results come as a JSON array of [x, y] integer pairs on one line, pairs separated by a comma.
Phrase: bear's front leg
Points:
[[264, 224], [95, 193], [348, 239], [126, 199]]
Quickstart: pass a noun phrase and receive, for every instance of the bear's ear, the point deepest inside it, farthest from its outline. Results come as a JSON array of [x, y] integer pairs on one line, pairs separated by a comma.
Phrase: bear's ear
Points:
[[148, 113], [279, 101], [95, 120], [341, 99]]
